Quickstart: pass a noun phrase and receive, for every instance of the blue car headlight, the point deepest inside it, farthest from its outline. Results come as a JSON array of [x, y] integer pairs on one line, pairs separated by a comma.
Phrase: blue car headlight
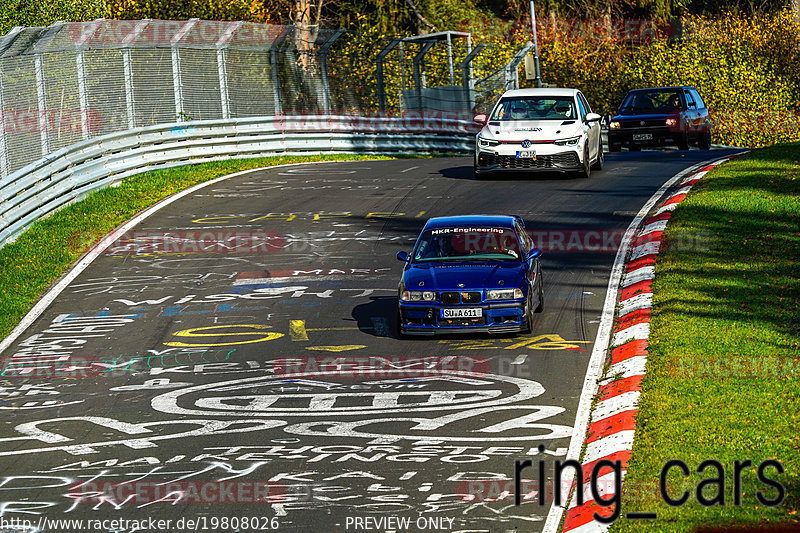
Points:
[[418, 296], [504, 294]]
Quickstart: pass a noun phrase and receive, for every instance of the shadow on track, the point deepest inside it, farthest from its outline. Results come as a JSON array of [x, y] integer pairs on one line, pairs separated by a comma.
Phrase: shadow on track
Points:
[[465, 173]]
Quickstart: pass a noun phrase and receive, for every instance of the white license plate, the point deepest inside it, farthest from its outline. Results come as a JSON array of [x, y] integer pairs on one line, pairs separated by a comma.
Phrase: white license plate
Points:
[[527, 155], [642, 136], [462, 313]]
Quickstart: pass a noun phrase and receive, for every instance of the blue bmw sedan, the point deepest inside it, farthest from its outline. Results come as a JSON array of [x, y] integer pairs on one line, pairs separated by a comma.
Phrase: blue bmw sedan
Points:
[[470, 274]]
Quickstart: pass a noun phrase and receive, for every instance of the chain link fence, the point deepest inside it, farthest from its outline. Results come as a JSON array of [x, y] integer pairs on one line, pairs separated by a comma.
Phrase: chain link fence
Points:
[[73, 81]]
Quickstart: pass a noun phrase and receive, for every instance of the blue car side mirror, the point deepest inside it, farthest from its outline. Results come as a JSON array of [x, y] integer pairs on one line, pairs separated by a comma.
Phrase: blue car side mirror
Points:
[[534, 254], [402, 256]]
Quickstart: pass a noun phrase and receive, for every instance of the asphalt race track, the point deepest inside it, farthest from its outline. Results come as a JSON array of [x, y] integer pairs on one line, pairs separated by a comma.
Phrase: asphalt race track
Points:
[[236, 358]]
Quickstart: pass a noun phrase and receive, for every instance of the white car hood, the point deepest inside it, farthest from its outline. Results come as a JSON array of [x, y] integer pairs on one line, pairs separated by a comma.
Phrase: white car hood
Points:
[[534, 130]]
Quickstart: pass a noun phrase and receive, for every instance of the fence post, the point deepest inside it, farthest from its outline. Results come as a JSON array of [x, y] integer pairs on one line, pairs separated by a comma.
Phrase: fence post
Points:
[[80, 66], [41, 88], [466, 74], [379, 73], [83, 97], [323, 67], [419, 71], [41, 102], [450, 58], [511, 74], [127, 67], [222, 72], [177, 88], [222, 68], [130, 104], [273, 61], [177, 84]]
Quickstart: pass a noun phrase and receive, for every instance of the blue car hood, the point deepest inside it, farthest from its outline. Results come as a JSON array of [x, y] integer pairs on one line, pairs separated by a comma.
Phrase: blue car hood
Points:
[[444, 276]]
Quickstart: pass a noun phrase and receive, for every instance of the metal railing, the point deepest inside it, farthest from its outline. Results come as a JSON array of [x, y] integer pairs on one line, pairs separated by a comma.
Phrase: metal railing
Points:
[[74, 171], [83, 104]]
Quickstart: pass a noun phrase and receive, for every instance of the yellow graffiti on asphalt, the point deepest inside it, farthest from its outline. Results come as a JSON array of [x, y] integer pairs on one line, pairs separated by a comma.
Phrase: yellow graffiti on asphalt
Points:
[[288, 217], [342, 348], [262, 335], [539, 342], [297, 330]]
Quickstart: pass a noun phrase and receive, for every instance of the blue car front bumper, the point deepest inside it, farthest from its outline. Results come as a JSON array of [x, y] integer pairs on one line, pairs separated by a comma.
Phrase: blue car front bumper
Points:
[[425, 318]]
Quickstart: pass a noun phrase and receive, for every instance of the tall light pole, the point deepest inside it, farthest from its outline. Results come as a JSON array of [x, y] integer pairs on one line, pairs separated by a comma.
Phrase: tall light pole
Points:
[[535, 47]]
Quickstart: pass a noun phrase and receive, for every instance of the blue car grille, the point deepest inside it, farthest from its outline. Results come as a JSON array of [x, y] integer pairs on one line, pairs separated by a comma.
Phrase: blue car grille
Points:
[[478, 321], [469, 297]]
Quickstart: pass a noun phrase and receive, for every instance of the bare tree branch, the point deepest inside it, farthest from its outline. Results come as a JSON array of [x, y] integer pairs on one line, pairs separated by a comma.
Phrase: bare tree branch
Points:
[[419, 15]]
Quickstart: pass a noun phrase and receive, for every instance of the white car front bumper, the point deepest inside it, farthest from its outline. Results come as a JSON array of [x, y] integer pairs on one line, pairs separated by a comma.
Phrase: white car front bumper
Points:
[[548, 158]]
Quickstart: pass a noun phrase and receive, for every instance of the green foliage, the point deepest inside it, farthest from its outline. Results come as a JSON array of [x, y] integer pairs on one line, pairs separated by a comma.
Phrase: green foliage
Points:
[[451, 14], [171, 10], [43, 13], [746, 68]]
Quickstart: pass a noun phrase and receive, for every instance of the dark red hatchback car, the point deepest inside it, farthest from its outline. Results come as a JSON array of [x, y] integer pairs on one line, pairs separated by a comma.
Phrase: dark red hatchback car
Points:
[[658, 117]]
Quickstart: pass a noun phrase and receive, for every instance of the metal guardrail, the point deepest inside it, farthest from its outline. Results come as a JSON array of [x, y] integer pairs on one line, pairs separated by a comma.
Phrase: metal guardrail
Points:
[[71, 173]]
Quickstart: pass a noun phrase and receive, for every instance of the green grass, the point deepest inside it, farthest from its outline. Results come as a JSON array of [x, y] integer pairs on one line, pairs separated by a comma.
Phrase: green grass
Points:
[[42, 254], [723, 371]]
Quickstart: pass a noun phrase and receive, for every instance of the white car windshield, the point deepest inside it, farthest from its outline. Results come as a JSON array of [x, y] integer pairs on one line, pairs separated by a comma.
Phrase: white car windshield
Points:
[[536, 108]]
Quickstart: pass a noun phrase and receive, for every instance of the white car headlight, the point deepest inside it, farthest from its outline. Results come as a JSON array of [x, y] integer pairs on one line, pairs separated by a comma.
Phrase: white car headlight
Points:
[[572, 141], [487, 142], [503, 294], [613, 125], [418, 296]]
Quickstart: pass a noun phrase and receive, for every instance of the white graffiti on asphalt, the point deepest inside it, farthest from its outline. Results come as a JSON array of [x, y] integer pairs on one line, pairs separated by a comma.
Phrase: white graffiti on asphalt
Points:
[[482, 391], [65, 334], [143, 432]]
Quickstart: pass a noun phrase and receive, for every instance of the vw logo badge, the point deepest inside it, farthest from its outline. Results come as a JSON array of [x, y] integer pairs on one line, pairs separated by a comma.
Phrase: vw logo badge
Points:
[[526, 143], [641, 123]]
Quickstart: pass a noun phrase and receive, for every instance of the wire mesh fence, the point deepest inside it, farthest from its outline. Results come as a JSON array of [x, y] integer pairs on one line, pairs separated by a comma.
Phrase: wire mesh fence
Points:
[[73, 81]]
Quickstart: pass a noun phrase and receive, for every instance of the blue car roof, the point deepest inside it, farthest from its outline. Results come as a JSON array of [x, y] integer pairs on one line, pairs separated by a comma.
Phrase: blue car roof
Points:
[[497, 221]]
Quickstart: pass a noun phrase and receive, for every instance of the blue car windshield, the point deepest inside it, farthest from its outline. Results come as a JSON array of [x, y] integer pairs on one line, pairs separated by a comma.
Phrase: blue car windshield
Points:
[[656, 101], [458, 244]]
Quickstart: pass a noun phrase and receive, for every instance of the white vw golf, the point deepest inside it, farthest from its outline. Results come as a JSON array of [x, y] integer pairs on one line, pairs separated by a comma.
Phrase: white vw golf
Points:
[[550, 130]]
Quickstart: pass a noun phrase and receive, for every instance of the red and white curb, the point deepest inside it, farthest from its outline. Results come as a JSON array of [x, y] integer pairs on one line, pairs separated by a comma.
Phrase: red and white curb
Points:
[[608, 429]]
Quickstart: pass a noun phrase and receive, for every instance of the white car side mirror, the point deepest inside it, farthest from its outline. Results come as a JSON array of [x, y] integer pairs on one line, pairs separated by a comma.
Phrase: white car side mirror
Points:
[[592, 117]]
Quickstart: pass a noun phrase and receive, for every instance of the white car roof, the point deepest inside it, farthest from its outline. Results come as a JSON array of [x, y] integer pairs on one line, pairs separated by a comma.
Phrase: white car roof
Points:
[[549, 91]]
